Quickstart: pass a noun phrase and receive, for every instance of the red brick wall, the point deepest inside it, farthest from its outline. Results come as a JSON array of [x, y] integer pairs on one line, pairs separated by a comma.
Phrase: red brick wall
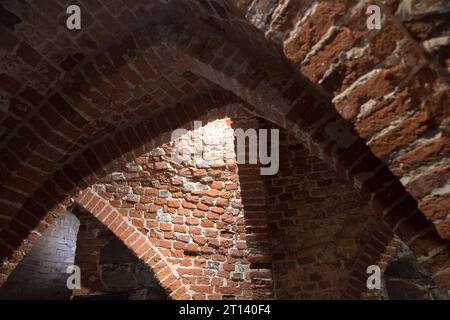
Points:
[[42, 273], [254, 200], [77, 102], [109, 269]]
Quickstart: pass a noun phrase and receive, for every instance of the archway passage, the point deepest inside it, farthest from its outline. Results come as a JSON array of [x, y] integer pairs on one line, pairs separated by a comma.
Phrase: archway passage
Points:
[[212, 229], [114, 100], [42, 273]]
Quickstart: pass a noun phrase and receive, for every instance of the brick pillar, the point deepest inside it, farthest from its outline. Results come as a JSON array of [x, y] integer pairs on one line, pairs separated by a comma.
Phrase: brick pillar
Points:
[[253, 197]]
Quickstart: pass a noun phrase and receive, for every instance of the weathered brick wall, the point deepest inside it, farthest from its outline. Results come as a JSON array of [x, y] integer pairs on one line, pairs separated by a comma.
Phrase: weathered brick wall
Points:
[[92, 236], [391, 84], [253, 193], [318, 226], [42, 273]]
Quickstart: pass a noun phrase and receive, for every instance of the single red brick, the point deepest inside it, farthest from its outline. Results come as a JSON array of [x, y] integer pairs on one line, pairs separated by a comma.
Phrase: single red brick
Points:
[[231, 186], [179, 228], [164, 226], [199, 240], [213, 193]]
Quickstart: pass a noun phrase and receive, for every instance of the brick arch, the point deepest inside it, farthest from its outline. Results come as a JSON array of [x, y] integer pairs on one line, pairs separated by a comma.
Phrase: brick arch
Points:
[[63, 188], [166, 275], [307, 113], [237, 58], [397, 100]]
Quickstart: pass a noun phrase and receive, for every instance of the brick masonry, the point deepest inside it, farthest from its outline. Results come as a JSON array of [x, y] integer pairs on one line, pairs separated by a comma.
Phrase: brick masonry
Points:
[[42, 273], [192, 212], [372, 104]]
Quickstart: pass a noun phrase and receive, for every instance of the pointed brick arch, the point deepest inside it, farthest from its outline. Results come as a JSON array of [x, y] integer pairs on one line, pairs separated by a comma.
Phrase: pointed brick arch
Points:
[[166, 275], [224, 51], [102, 158]]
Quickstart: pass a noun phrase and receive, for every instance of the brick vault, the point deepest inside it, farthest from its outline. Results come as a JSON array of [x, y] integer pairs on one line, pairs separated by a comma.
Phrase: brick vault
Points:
[[88, 178]]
